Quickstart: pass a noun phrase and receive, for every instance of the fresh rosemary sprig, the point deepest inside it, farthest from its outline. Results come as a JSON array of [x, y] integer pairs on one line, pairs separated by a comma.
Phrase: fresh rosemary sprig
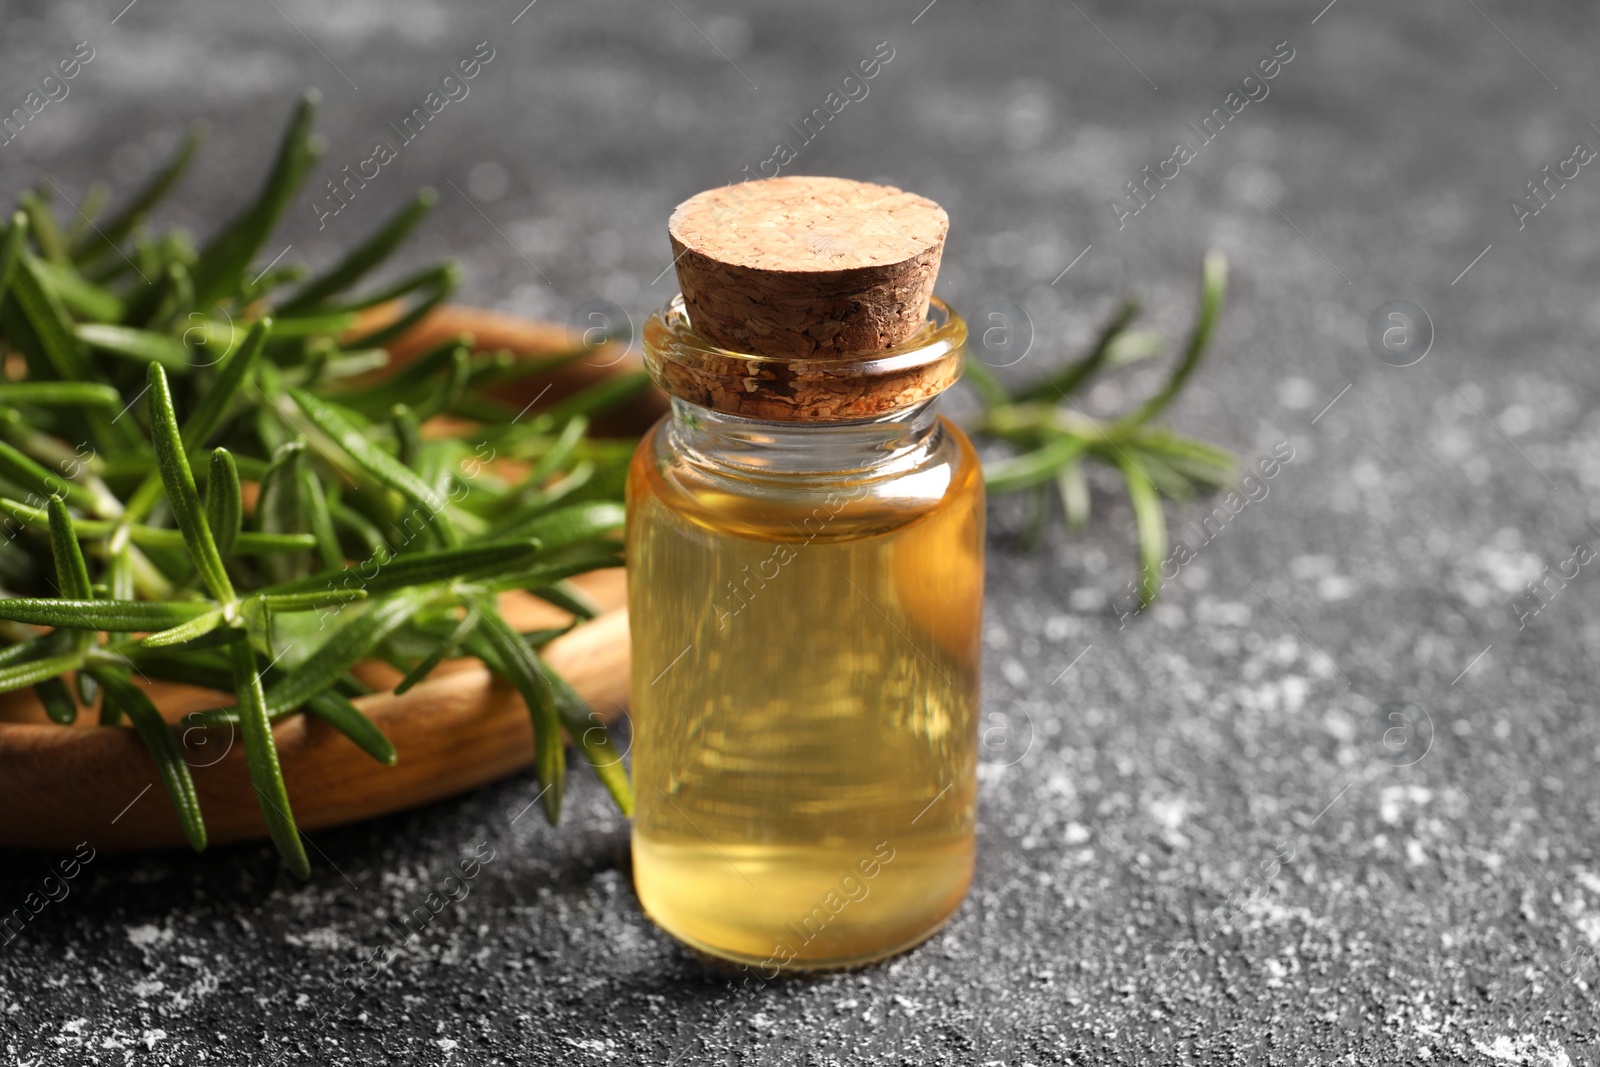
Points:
[[1053, 438], [202, 479]]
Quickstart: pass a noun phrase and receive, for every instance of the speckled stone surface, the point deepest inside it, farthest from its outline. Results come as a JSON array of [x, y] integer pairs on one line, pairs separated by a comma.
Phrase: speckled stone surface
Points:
[[1197, 846]]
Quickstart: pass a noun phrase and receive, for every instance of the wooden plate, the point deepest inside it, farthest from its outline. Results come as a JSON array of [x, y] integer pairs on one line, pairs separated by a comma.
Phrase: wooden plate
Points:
[[459, 730]]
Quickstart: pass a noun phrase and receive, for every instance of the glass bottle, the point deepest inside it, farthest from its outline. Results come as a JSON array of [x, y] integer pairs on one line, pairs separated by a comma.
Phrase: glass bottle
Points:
[[805, 598]]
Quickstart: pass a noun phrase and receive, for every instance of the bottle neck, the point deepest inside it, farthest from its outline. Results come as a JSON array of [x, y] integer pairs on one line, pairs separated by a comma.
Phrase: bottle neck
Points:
[[800, 388], [762, 449]]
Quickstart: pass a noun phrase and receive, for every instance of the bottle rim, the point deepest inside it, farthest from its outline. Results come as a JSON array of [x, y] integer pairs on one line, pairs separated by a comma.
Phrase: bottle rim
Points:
[[831, 389]]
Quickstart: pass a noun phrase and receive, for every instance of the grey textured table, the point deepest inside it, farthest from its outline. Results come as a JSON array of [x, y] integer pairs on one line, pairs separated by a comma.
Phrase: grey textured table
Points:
[[1195, 846]]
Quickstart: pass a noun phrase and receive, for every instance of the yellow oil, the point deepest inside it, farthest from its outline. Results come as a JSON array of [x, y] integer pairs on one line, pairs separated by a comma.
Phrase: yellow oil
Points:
[[805, 699]]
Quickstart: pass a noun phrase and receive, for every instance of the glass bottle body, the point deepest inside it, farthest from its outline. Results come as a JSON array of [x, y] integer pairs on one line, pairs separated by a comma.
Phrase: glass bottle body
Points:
[[805, 604]]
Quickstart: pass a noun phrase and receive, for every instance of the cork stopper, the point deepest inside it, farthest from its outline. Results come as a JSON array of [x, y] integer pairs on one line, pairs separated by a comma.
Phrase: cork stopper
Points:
[[807, 267], [806, 299]]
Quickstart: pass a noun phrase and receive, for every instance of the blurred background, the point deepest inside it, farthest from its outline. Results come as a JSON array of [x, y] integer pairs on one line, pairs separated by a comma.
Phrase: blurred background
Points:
[[1436, 898]]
